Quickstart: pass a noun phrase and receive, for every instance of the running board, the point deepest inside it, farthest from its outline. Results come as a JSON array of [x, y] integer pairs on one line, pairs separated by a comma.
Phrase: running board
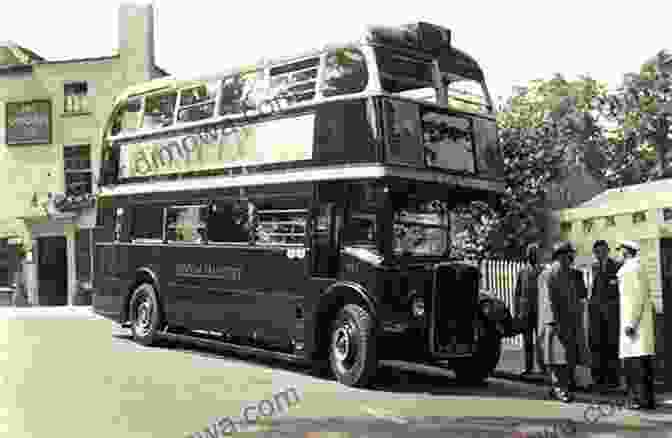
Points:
[[233, 347]]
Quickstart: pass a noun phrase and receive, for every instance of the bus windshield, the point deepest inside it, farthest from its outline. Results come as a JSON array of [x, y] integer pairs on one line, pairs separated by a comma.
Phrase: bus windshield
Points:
[[406, 76], [413, 77], [421, 229]]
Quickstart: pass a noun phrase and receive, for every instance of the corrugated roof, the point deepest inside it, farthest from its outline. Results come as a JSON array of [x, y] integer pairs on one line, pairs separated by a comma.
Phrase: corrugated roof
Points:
[[662, 185]]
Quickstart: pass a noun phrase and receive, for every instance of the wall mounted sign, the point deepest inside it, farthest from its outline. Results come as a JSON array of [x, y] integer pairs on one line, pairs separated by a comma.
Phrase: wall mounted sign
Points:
[[28, 122]]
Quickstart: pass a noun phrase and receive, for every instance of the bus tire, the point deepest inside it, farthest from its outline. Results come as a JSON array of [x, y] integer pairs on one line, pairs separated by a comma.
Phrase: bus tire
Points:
[[476, 369], [145, 315], [353, 354]]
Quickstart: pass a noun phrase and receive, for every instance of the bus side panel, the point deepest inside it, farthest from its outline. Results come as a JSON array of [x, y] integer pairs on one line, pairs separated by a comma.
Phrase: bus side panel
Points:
[[110, 287]]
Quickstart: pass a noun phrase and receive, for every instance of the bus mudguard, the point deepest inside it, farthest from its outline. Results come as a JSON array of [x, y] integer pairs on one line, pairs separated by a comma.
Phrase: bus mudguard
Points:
[[332, 300], [141, 275]]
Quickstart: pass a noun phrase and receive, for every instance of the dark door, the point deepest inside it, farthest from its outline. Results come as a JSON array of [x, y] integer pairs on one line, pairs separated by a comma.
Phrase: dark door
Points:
[[666, 272], [52, 270]]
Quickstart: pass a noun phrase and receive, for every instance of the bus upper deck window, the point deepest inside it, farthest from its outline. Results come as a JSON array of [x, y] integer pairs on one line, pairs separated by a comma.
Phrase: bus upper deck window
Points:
[[128, 118], [197, 103], [159, 110], [345, 72]]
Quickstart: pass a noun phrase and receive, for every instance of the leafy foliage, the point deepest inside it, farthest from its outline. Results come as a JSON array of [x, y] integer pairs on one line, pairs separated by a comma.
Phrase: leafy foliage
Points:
[[543, 129], [642, 112]]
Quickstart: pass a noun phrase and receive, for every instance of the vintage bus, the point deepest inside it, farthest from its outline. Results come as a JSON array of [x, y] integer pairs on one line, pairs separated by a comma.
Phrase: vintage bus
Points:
[[300, 208]]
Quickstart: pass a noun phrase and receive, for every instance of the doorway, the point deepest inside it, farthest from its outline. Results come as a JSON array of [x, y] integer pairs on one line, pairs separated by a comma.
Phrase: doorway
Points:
[[52, 271]]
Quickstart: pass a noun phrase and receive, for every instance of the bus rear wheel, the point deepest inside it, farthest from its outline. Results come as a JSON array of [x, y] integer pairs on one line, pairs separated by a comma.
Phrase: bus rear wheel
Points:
[[353, 355], [144, 315]]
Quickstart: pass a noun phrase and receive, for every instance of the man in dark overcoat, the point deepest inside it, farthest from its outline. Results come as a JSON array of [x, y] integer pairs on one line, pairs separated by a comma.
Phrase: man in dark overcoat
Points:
[[527, 306], [604, 316], [561, 321]]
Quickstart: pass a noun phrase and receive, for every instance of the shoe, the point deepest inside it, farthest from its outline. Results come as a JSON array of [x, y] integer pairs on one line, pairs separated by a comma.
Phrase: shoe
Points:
[[526, 374], [559, 394]]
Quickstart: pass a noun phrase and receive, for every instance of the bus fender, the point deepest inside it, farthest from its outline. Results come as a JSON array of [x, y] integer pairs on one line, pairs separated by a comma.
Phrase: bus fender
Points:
[[495, 312], [141, 275], [332, 300]]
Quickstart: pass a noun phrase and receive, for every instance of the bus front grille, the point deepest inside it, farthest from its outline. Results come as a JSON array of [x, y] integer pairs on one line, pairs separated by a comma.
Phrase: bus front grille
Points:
[[454, 309]]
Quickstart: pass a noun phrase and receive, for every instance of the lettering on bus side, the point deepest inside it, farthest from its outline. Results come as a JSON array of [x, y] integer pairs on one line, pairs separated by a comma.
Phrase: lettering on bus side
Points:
[[208, 270], [216, 147]]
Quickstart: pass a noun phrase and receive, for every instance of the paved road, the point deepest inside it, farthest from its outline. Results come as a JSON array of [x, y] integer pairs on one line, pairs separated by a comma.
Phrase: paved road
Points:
[[71, 373]]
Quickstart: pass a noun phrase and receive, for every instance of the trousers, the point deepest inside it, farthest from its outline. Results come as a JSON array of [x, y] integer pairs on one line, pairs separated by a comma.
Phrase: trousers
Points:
[[639, 377], [529, 340], [604, 342], [563, 377]]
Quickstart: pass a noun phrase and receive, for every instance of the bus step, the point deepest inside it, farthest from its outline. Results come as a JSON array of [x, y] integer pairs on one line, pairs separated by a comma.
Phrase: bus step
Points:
[[225, 346]]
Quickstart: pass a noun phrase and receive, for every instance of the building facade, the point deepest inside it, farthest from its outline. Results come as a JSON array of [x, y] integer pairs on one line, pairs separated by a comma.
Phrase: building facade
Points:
[[51, 117]]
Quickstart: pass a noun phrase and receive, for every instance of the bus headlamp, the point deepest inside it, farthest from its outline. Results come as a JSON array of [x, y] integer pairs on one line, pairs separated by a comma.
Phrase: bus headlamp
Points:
[[418, 306]]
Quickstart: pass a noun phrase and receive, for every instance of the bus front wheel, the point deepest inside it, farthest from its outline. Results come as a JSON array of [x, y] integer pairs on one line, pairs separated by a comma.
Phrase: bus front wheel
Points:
[[145, 317], [352, 351], [476, 369]]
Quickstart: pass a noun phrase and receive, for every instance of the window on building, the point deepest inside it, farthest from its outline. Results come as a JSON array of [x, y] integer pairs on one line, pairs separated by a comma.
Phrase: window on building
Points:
[[186, 223], [610, 221], [565, 228], [77, 167], [345, 72], [587, 226], [159, 110], [84, 254], [76, 97], [5, 279], [197, 103], [667, 214], [148, 223], [639, 217]]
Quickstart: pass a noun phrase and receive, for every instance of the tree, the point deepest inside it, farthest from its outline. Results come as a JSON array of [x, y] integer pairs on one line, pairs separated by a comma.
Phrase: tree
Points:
[[642, 109], [544, 128]]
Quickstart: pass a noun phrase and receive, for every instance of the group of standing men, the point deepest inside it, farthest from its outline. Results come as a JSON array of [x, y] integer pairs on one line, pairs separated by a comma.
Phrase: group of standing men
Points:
[[551, 300]]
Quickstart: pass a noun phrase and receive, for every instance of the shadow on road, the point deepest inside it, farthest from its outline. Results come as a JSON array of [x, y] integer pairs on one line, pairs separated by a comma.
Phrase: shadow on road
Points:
[[392, 376]]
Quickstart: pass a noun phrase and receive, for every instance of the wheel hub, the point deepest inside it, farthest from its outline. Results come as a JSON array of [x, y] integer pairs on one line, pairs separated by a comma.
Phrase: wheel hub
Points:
[[144, 314], [342, 341]]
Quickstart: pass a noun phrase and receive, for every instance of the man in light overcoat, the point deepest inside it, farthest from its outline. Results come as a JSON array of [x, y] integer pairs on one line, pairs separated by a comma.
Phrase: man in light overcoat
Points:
[[637, 339], [561, 321]]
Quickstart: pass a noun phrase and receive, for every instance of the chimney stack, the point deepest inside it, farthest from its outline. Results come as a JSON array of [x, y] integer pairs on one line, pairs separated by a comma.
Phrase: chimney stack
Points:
[[136, 41]]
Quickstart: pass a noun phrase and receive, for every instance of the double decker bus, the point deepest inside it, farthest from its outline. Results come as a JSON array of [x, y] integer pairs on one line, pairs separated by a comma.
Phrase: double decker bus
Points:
[[300, 208]]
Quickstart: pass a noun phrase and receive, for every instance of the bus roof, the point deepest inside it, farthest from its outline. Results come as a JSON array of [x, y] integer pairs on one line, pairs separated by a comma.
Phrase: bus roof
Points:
[[370, 36]]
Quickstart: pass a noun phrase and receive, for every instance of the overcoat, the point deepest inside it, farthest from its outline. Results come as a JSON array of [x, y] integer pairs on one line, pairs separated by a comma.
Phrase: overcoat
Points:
[[527, 293], [637, 311], [561, 317]]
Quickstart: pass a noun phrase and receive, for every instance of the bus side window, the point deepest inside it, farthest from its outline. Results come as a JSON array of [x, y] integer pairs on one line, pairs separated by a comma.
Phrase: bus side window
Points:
[[127, 120], [345, 72], [281, 224], [229, 222], [147, 223], [159, 110], [186, 224]]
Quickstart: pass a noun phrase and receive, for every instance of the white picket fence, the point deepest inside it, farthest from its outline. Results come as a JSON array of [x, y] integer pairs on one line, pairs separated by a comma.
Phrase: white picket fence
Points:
[[499, 277]]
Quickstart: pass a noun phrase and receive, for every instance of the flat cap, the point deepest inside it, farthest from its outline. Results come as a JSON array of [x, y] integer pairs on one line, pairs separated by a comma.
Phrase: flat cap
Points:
[[628, 244], [562, 247]]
